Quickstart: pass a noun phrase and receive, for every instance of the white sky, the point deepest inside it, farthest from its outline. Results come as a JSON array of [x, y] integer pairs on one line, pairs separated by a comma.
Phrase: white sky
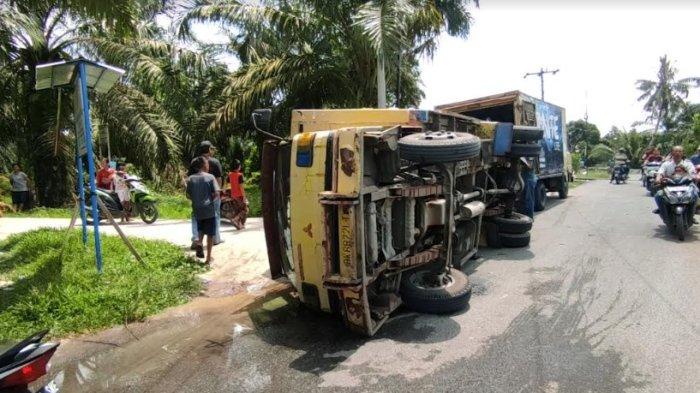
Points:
[[600, 50], [601, 47]]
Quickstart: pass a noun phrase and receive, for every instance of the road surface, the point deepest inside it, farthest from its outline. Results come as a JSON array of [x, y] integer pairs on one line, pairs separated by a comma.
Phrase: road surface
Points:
[[604, 300]]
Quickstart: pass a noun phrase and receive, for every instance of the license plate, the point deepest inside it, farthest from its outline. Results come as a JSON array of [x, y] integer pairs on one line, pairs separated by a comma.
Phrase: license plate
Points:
[[677, 188]]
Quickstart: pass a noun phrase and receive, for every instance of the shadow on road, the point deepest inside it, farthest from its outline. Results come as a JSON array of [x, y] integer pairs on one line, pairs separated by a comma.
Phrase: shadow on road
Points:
[[323, 342], [662, 232], [553, 345]]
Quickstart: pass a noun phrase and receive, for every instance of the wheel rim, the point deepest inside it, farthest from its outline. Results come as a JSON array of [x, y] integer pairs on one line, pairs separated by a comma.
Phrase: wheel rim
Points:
[[149, 211], [426, 280]]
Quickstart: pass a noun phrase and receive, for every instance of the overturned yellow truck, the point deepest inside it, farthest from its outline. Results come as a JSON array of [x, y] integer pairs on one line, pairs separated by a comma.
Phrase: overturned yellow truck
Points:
[[368, 209]]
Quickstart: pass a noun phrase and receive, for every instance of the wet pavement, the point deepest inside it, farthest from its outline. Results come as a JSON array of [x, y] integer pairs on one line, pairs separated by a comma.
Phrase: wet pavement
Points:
[[603, 300]]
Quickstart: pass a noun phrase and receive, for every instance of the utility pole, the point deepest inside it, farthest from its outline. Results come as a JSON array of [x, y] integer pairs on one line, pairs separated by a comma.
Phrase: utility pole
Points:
[[541, 73]]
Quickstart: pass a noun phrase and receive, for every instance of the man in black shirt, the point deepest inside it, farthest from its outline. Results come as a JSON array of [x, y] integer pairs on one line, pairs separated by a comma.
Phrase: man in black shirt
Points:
[[207, 150]]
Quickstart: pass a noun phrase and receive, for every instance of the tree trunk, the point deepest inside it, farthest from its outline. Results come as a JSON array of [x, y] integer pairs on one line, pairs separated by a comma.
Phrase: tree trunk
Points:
[[381, 82]]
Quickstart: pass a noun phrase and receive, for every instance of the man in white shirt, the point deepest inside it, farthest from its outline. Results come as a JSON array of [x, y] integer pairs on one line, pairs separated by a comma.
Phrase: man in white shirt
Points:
[[675, 165]]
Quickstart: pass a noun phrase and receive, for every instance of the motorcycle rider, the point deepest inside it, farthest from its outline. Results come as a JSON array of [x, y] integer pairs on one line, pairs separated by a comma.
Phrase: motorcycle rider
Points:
[[621, 160], [673, 166]]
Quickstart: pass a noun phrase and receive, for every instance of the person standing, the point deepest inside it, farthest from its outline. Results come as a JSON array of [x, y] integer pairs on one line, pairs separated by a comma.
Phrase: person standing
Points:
[[121, 187], [203, 190], [529, 187], [20, 187], [207, 150], [104, 178], [236, 181]]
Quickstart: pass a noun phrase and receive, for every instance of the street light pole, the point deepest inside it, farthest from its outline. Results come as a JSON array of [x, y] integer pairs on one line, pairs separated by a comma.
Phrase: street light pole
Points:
[[541, 73]]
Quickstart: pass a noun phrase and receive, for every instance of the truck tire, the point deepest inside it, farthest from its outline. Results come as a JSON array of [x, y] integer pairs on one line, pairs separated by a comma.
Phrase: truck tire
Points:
[[527, 134], [439, 147], [564, 187], [451, 297], [516, 223], [525, 149], [540, 197], [515, 240]]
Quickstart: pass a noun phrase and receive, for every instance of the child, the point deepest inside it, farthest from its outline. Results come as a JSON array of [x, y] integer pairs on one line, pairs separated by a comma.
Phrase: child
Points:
[[203, 190], [121, 187], [240, 203]]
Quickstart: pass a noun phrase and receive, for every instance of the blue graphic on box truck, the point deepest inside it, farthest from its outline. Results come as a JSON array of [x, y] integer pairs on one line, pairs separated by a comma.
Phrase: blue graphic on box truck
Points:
[[550, 119]]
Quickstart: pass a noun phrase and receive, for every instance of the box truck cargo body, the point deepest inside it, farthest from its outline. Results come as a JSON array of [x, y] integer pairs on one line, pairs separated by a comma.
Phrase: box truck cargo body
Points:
[[553, 167]]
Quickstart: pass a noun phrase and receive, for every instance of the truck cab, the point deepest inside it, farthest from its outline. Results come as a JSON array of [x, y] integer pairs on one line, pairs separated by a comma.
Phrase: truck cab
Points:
[[368, 209]]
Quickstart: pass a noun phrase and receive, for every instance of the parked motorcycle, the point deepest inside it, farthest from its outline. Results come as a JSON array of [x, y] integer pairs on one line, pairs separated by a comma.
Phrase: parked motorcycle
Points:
[[24, 363], [143, 203], [678, 207], [649, 175], [620, 174]]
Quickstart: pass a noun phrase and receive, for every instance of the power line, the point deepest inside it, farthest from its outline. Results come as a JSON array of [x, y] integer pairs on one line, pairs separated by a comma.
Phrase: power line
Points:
[[541, 73]]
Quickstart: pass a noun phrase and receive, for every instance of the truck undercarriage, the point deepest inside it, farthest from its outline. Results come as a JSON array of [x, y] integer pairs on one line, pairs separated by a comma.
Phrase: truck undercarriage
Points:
[[365, 217]]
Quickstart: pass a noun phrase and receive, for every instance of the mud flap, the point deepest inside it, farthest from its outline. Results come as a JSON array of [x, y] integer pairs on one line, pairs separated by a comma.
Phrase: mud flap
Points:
[[267, 184]]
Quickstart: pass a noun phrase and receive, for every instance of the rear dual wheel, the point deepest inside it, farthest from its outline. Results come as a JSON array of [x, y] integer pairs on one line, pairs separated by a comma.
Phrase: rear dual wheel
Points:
[[508, 231]]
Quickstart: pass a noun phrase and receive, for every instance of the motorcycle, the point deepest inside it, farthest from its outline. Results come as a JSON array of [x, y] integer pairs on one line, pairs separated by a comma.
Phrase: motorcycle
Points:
[[649, 174], [619, 174], [678, 207], [24, 363], [142, 202]]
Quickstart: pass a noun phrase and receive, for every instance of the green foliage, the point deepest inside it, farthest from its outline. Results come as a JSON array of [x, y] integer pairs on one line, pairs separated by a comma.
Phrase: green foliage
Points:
[[66, 295], [600, 155], [576, 161], [582, 135], [664, 98], [634, 143]]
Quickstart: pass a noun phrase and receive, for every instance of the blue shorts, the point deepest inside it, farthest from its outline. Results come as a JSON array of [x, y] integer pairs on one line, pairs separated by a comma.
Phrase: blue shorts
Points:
[[207, 226]]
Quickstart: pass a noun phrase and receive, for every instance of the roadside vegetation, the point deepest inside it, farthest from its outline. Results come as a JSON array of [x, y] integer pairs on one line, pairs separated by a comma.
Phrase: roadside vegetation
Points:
[[179, 91], [41, 290]]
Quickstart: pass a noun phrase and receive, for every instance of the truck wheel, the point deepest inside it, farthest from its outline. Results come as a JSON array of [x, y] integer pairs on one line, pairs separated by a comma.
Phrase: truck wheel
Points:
[[540, 197], [439, 146], [420, 293], [515, 240], [564, 188], [515, 223], [527, 134], [525, 149]]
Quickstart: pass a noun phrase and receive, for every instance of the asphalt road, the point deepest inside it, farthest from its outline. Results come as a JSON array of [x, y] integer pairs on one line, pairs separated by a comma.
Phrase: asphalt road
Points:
[[604, 300]]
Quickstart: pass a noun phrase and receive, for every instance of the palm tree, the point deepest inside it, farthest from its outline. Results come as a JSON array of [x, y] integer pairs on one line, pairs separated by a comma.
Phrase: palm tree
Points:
[[315, 53], [34, 122], [665, 97]]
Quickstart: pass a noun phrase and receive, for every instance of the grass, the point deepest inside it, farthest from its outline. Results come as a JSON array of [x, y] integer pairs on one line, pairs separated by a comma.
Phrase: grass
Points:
[[66, 295], [171, 206]]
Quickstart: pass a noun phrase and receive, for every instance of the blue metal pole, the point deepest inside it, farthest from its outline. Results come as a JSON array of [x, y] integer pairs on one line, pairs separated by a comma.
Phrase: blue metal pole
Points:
[[91, 165], [81, 193]]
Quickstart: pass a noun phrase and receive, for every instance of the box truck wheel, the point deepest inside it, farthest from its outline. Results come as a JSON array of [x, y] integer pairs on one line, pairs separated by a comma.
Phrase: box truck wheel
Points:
[[515, 223], [515, 240], [439, 146], [422, 291], [540, 197], [564, 187]]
